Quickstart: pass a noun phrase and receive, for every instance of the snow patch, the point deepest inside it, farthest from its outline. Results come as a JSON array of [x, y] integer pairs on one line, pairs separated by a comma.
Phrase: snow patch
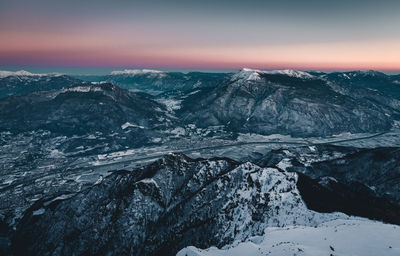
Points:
[[247, 74], [127, 124], [171, 104], [326, 180], [82, 89], [284, 164], [38, 212], [134, 72], [4, 73], [337, 237]]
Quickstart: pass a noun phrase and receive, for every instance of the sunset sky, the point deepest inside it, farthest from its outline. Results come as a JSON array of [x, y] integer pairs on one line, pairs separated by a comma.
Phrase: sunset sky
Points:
[[206, 34]]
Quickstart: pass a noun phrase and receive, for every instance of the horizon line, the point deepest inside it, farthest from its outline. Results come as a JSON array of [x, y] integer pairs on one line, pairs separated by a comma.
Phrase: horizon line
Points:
[[41, 68]]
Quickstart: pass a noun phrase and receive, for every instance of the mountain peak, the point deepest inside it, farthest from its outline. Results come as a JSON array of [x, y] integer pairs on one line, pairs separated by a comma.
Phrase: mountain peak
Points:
[[136, 72], [249, 74], [5, 73]]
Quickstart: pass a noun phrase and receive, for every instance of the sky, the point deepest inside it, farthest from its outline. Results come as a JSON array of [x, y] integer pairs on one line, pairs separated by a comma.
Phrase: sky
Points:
[[203, 34]]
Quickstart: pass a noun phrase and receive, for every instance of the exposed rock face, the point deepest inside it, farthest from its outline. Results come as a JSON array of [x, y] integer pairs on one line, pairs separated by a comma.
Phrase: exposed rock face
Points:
[[165, 206], [299, 104]]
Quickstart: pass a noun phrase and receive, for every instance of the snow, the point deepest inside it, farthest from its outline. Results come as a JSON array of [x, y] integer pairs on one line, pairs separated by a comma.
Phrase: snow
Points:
[[275, 188], [82, 89], [247, 74], [290, 72], [290, 228], [284, 164], [171, 104], [18, 73], [196, 91], [38, 212], [156, 140], [337, 237], [178, 131], [136, 72], [312, 148], [149, 181], [325, 180], [127, 124], [61, 197]]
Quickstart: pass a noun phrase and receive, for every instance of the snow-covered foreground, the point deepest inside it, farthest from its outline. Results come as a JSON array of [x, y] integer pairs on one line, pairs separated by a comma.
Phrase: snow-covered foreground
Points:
[[351, 237]]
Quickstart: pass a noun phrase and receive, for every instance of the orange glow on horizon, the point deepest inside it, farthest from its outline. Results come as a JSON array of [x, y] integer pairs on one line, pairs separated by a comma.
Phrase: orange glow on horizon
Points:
[[103, 51]]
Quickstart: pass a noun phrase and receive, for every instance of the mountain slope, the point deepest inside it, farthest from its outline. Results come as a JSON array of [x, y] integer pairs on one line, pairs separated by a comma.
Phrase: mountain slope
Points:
[[85, 108], [165, 206], [338, 237], [295, 103], [373, 80], [375, 171], [156, 82]]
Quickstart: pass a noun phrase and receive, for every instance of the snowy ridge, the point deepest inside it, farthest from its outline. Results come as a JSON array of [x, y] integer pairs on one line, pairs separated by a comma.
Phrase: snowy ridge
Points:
[[134, 72], [337, 237], [288, 226], [248, 74], [82, 89], [177, 201], [271, 187], [4, 73]]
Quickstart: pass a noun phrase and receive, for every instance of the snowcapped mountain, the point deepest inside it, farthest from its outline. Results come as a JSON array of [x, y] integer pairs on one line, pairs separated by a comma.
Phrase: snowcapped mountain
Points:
[[4, 73], [288, 102], [168, 205], [23, 73], [247, 74], [133, 72]]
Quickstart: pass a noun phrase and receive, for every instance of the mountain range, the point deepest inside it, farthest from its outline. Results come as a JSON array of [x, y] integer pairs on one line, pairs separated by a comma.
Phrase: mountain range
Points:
[[146, 162]]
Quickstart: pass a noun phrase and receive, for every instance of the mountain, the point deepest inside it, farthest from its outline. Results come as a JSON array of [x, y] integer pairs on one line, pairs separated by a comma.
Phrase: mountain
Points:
[[176, 202], [23, 82], [81, 120], [156, 82], [285, 102], [81, 109], [79, 173], [50, 141]]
